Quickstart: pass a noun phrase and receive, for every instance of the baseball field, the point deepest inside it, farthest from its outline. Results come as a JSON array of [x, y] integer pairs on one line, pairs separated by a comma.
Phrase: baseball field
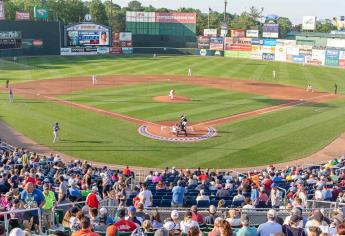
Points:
[[257, 119]]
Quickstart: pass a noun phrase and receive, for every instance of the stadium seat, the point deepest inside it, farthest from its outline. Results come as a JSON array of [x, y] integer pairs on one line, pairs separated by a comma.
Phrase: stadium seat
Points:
[[203, 203]]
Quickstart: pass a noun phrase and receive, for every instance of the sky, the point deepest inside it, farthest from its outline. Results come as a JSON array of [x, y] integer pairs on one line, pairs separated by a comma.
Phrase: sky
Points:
[[293, 9]]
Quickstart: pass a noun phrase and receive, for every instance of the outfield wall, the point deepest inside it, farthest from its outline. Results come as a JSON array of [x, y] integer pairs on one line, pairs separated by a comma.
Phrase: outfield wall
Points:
[[333, 54], [33, 38]]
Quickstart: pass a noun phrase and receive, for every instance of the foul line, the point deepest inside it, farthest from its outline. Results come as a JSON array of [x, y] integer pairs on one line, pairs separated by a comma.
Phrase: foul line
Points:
[[113, 114], [261, 111]]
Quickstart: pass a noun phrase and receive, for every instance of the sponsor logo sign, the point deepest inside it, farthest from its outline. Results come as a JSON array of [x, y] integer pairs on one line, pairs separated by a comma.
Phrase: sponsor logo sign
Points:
[[127, 51], [298, 59], [317, 57], [268, 56], [309, 23], [257, 41], [239, 33], [102, 50], [270, 31], [203, 42], [22, 15], [41, 13], [176, 17], [270, 42], [210, 32], [332, 58], [252, 33], [125, 36], [116, 51]]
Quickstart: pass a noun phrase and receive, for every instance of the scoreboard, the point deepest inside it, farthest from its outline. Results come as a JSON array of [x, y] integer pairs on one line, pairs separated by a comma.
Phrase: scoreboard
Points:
[[87, 34]]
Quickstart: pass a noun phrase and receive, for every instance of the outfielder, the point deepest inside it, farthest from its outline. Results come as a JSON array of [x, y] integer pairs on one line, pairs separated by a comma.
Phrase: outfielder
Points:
[[94, 80], [310, 88], [274, 74], [10, 95], [56, 129], [189, 72], [172, 94]]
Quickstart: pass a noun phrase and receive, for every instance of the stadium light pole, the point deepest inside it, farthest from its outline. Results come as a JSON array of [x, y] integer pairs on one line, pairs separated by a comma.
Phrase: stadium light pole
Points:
[[225, 6], [111, 15]]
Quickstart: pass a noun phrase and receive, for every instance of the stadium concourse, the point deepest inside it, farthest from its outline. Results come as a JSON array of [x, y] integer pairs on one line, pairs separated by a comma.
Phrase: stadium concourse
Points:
[[47, 195]]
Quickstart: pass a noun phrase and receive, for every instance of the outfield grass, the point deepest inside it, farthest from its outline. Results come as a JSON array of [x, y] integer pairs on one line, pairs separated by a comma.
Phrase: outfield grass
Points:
[[274, 137], [322, 78], [137, 101], [270, 138]]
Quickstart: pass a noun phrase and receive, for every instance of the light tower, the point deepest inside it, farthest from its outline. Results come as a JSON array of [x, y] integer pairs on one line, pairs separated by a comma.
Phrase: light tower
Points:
[[225, 6]]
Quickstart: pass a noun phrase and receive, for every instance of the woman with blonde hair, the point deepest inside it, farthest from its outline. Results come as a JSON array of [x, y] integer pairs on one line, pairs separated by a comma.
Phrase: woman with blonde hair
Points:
[[234, 219], [194, 231]]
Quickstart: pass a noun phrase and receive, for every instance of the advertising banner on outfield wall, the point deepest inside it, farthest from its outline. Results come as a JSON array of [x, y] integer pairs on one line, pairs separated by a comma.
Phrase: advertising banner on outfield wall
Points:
[[270, 31], [216, 43], [239, 54], [294, 51], [239, 33], [203, 52], [240, 44], [176, 17], [65, 51], [268, 56], [270, 42], [280, 53], [342, 59], [210, 32], [252, 33], [336, 43], [127, 51], [102, 50], [286, 42], [203, 42], [256, 52], [257, 41], [2, 10], [268, 49], [125, 36], [115, 51], [317, 57], [332, 58], [138, 16], [298, 59]]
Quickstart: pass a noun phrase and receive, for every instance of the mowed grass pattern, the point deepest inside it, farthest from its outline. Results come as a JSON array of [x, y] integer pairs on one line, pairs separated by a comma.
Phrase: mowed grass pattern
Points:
[[137, 101], [322, 78], [273, 137]]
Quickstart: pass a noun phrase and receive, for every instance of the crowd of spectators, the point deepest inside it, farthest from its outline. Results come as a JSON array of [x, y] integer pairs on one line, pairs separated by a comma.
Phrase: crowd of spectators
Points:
[[47, 183]]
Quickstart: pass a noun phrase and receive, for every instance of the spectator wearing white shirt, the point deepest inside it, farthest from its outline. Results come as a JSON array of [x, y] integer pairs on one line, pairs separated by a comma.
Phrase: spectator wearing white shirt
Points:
[[202, 196], [146, 196]]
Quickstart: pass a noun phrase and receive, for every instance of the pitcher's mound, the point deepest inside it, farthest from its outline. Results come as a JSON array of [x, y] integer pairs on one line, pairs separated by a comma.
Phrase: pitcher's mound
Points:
[[163, 132], [177, 99]]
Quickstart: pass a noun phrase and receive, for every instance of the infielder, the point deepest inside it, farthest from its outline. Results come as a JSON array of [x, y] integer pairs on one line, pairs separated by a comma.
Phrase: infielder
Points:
[[56, 129], [172, 94], [94, 80], [274, 74], [10, 95], [310, 88], [189, 72]]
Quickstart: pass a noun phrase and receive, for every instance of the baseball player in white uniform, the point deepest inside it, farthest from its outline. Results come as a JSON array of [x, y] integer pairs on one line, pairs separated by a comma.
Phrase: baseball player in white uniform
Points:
[[189, 72], [274, 74], [94, 80], [56, 128], [172, 94]]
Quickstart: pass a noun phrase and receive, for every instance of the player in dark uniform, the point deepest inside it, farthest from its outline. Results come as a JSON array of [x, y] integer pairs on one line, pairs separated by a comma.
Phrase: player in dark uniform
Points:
[[7, 83], [56, 128], [335, 88]]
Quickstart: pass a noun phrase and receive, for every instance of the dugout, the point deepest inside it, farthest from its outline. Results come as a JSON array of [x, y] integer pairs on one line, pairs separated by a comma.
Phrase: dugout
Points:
[[30, 38]]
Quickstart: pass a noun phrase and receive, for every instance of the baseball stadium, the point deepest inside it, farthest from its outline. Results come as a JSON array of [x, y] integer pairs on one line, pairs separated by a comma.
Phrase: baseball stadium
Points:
[[138, 120]]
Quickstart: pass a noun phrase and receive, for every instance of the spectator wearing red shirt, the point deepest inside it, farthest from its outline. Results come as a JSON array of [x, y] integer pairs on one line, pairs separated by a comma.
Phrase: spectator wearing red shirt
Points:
[[122, 225], [29, 179], [203, 177], [85, 228], [92, 198], [126, 172], [197, 216]]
